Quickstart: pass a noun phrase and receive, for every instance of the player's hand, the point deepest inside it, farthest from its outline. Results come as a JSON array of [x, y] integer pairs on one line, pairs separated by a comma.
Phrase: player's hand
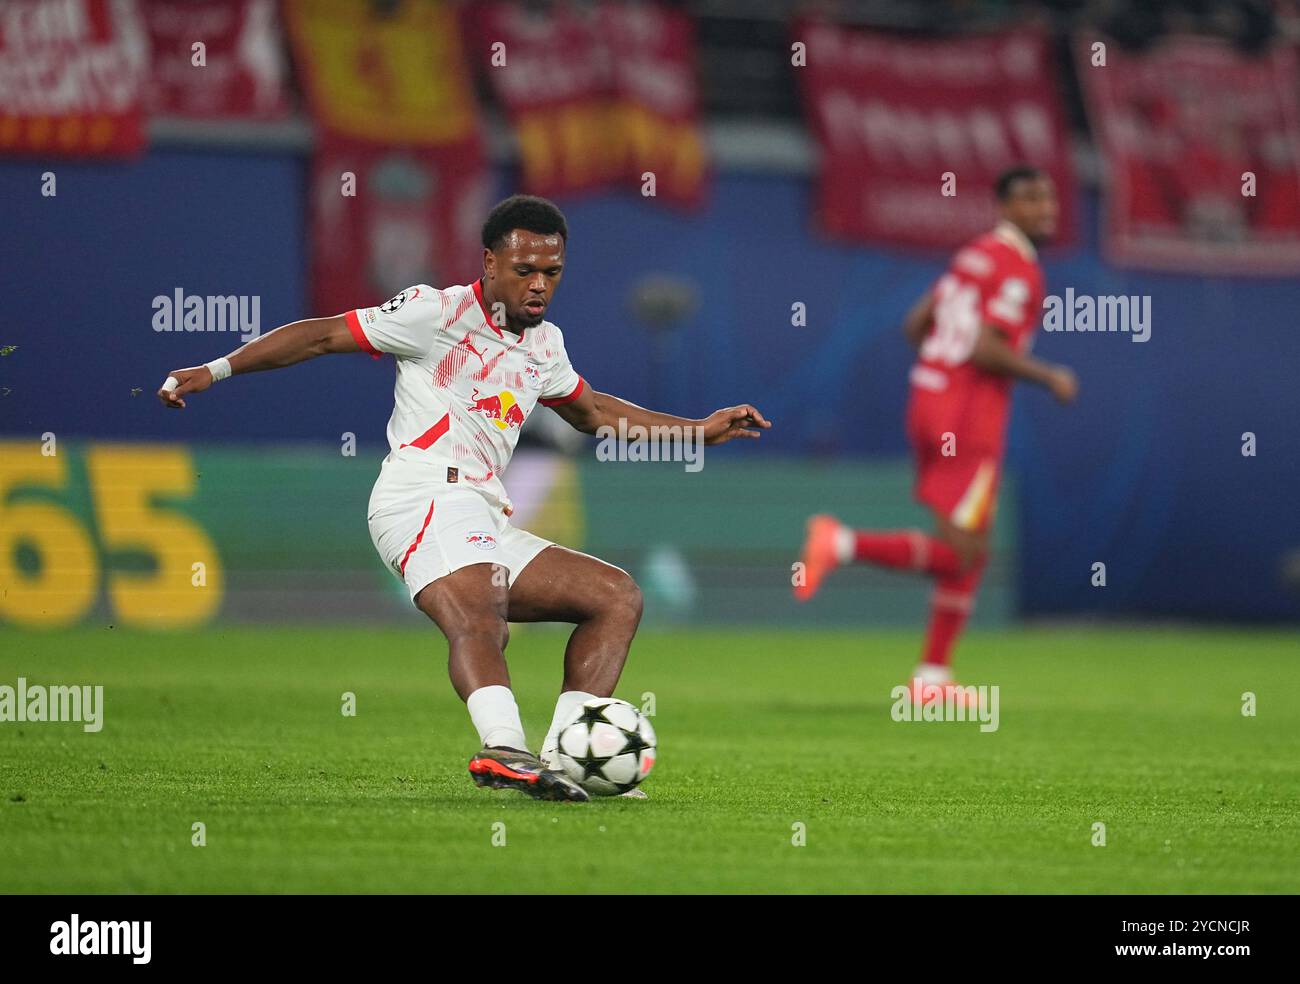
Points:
[[193, 380], [722, 425], [1063, 384]]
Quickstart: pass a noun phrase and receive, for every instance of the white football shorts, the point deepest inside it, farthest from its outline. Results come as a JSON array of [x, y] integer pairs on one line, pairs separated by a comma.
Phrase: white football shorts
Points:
[[431, 530]]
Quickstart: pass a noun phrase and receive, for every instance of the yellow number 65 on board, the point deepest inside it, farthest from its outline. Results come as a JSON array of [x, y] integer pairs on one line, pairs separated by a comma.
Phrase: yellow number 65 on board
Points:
[[184, 587]]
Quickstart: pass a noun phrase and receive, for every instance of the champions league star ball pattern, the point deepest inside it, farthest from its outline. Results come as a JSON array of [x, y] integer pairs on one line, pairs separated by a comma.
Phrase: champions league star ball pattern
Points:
[[608, 747]]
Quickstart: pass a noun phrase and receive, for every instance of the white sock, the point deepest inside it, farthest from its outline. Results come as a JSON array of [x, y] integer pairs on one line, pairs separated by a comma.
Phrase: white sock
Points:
[[846, 545], [564, 709], [496, 716], [932, 674]]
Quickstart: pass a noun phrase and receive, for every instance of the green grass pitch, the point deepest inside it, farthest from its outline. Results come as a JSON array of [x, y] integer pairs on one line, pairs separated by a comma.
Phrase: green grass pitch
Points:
[[241, 729]]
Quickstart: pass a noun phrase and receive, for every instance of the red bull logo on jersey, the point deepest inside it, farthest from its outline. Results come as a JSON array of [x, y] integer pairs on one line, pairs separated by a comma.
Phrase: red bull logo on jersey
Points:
[[502, 409], [481, 539]]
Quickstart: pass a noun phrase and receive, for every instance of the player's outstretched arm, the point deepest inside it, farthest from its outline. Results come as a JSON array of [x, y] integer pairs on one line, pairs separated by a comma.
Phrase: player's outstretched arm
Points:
[[291, 343], [917, 321], [993, 354], [593, 410]]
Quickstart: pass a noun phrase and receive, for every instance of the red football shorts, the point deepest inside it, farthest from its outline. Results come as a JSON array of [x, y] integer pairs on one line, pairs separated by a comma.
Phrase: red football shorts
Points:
[[963, 486]]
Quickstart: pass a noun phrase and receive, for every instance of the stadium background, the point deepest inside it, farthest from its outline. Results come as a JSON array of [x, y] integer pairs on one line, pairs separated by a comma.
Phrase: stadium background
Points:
[[1145, 474], [798, 212]]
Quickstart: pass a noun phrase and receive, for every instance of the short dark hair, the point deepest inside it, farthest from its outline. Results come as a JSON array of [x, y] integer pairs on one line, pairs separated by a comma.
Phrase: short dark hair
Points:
[[1021, 172], [523, 212]]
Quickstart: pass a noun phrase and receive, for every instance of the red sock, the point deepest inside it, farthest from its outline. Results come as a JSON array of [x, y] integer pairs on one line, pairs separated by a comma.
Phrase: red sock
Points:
[[950, 606], [909, 550]]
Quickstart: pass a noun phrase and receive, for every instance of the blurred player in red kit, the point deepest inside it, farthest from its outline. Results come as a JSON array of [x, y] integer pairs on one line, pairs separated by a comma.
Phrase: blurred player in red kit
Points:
[[973, 332]]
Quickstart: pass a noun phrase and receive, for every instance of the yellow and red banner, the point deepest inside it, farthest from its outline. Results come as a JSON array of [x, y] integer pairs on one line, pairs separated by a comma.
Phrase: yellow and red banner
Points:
[[71, 77], [396, 78], [599, 98]]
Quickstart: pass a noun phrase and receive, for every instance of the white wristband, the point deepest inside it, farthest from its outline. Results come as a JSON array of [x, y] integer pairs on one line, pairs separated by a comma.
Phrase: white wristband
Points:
[[220, 369]]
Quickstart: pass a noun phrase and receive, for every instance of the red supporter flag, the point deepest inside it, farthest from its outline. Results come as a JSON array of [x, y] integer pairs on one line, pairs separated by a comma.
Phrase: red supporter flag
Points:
[[399, 181], [913, 133], [599, 99], [415, 219], [1200, 142], [239, 72], [71, 77]]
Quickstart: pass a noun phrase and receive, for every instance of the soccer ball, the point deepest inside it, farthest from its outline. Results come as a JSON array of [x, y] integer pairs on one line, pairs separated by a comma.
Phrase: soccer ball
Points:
[[607, 747]]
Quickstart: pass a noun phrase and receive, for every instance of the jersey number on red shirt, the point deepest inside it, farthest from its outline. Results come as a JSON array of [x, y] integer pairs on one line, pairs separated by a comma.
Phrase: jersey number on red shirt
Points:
[[957, 316], [956, 322]]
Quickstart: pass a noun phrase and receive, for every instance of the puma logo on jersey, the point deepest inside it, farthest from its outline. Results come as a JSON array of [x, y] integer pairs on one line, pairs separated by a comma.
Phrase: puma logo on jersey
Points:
[[465, 343]]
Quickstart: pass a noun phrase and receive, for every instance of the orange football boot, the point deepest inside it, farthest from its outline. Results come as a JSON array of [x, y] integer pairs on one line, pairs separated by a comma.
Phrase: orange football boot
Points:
[[819, 556], [924, 691]]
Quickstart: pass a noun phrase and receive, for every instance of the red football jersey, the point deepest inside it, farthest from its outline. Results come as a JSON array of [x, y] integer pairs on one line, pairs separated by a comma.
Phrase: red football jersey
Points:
[[996, 279]]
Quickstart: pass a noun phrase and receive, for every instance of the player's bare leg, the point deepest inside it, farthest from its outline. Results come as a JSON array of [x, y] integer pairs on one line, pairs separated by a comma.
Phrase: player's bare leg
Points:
[[603, 602], [563, 585], [469, 606]]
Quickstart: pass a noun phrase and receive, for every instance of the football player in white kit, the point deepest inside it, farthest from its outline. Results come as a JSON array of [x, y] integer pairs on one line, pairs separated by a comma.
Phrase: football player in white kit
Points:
[[472, 364]]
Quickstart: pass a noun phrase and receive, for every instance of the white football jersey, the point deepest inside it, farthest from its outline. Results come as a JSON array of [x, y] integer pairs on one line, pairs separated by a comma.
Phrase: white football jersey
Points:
[[464, 386]]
